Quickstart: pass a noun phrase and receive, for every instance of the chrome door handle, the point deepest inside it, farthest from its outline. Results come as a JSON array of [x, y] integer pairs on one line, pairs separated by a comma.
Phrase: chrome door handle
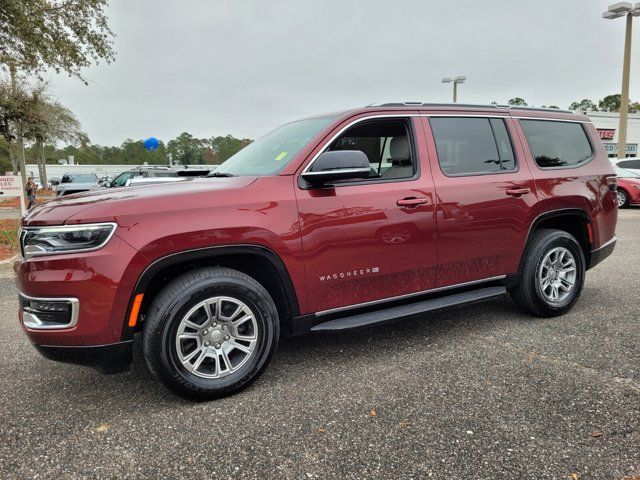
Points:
[[412, 202], [516, 192]]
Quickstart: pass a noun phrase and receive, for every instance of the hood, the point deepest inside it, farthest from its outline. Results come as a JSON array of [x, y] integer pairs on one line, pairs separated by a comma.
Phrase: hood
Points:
[[106, 204]]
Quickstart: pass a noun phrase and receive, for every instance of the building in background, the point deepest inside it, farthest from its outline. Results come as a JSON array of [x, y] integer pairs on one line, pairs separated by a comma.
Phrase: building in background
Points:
[[607, 124]]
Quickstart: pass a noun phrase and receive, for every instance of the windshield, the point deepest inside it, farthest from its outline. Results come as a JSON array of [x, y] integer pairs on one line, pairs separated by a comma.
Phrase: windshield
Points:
[[271, 153], [622, 173], [79, 178]]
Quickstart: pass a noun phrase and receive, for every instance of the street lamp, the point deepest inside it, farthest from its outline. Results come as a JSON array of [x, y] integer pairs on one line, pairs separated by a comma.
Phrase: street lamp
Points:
[[455, 81], [616, 10]]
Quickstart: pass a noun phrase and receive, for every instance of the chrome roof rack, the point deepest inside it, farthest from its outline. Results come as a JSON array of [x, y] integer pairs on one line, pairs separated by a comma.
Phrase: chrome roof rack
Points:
[[466, 105]]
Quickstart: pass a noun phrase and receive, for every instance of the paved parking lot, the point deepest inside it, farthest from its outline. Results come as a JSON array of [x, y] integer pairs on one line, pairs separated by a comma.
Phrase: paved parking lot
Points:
[[476, 392]]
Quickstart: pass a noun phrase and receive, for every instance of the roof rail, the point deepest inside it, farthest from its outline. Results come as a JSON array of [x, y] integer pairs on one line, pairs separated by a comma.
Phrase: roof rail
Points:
[[425, 104], [466, 105], [540, 109]]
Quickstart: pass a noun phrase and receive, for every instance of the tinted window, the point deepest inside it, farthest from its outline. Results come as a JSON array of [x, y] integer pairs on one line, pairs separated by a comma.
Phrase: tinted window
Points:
[[79, 178], [557, 144], [121, 179], [386, 143], [469, 146]]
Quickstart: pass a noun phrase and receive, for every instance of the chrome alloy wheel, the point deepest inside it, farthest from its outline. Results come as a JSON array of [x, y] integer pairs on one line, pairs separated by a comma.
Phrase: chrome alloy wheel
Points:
[[216, 337], [621, 197], [557, 274]]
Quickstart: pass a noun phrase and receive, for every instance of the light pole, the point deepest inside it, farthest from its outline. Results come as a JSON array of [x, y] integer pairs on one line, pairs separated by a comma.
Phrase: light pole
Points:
[[455, 81], [624, 9]]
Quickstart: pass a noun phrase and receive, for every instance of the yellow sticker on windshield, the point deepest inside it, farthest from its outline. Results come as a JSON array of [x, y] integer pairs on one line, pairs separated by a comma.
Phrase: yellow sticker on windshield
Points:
[[280, 156]]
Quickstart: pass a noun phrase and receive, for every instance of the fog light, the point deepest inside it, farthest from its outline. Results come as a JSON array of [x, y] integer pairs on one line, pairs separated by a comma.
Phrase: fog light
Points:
[[48, 313]]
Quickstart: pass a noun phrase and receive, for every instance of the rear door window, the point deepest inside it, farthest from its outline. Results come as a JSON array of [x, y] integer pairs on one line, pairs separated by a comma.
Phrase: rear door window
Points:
[[556, 144], [472, 146]]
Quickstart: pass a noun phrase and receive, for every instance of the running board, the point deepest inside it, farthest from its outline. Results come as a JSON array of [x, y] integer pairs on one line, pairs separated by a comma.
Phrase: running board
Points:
[[393, 313]]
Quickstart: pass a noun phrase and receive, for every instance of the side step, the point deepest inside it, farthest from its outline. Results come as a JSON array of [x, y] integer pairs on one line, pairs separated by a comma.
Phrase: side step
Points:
[[364, 319]]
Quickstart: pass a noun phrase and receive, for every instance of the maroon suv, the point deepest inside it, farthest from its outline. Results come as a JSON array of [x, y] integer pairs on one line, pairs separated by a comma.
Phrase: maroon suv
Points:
[[329, 223]]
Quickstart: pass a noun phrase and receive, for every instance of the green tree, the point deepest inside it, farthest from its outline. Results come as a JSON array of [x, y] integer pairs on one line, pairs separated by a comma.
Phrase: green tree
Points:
[[225, 147], [517, 102], [186, 149], [610, 103], [50, 121], [584, 105], [64, 35]]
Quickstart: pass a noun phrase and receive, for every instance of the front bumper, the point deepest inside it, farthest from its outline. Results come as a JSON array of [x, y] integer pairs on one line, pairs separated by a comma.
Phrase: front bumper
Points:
[[113, 358], [101, 282]]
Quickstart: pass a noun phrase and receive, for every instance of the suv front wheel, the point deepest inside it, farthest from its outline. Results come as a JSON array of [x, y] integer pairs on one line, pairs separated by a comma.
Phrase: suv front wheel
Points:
[[210, 333], [552, 274]]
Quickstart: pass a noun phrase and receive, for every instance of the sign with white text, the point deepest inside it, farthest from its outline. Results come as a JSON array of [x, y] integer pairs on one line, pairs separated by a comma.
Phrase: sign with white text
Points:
[[632, 148]]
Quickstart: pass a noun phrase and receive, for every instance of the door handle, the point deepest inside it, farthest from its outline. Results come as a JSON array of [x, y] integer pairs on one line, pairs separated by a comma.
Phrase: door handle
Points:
[[412, 202], [516, 192]]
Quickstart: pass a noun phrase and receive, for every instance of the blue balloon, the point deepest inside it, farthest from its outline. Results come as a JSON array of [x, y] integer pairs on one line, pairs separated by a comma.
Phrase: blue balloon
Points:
[[151, 143]]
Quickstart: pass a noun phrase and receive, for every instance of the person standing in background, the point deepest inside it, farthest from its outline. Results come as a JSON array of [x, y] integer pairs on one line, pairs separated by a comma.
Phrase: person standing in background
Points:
[[30, 189]]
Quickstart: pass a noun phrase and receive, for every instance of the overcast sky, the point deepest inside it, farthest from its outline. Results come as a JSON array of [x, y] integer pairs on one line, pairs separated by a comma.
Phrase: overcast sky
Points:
[[242, 67]]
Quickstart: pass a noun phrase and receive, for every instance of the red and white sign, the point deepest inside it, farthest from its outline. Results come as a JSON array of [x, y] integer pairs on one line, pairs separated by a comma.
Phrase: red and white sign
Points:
[[606, 133], [11, 186]]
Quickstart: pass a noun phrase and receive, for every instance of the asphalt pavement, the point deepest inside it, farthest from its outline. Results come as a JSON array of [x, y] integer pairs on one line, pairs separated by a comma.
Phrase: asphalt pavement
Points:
[[482, 391]]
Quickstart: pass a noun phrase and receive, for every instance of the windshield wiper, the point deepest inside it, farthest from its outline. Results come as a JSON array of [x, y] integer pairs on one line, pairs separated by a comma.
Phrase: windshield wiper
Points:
[[220, 174]]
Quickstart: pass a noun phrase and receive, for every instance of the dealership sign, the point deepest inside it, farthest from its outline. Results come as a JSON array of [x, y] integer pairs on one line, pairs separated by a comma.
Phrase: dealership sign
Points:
[[606, 133], [632, 148], [11, 186]]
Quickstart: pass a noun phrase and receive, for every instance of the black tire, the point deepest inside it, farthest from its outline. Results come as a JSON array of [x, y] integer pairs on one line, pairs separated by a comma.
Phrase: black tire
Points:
[[527, 294], [620, 194], [171, 305]]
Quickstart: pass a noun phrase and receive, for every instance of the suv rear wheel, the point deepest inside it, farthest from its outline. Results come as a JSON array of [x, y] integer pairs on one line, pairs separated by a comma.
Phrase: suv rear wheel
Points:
[[210, 333], [552, 274]]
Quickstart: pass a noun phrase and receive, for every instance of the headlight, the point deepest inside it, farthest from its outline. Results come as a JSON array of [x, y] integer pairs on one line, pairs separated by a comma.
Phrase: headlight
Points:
[[64, 239]]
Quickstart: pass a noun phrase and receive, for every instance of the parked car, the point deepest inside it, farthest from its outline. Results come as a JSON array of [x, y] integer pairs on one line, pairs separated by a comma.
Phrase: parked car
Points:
[[628, 191], [76, 183], [631, 164], [141, 172], [152, 174], [330, 223], [102, 181]]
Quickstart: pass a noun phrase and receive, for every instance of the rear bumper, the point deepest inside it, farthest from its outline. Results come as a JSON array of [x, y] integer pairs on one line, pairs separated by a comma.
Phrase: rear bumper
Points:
[[113, 358], [603, 252]]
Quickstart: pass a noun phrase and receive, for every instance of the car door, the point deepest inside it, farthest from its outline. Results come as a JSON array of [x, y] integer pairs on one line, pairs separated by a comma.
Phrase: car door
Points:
[[373, 238], [486, 197]]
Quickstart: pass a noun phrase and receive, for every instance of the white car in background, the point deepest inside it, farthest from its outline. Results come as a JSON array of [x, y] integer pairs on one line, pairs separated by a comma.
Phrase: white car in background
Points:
[[153, 174], [76, 182], [632, 164]]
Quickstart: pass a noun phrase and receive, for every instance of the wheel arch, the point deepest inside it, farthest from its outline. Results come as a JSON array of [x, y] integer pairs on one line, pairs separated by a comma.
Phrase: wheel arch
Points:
[[573, 221], [259, 262]]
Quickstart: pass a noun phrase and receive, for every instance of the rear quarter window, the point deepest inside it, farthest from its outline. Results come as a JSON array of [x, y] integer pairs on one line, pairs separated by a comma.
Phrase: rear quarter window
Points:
[[557, 144]]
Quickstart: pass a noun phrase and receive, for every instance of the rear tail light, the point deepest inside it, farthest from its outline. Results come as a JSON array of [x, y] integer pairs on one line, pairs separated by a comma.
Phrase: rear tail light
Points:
[[612, 183]]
